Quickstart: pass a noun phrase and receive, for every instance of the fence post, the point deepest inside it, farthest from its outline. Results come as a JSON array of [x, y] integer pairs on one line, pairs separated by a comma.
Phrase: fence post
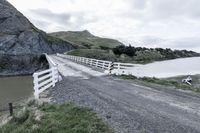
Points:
[[103, 65], [97, 62], [54, 76], [81, 60], [87, 61], [118, 66], [90, 62], [10, 109], [36, 88], [59, 77], [110, 67]]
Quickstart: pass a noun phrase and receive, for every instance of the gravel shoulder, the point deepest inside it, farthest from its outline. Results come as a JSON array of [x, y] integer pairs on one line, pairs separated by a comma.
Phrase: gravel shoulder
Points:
[[131, 108]]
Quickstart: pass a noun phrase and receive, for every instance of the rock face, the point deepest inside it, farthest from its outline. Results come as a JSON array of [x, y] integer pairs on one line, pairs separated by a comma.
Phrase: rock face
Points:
[[21, 64], [20, 38]]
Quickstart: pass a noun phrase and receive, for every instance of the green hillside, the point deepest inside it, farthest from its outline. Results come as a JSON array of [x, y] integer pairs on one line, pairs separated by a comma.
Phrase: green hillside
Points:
[[90, 46], [84, 39]]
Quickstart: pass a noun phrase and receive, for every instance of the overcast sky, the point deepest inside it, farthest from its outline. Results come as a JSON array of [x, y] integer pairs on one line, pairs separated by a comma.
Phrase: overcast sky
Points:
[[150, 23]]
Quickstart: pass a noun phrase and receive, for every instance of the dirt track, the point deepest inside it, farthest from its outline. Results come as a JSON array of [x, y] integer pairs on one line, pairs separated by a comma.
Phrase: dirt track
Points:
[[127, 107]]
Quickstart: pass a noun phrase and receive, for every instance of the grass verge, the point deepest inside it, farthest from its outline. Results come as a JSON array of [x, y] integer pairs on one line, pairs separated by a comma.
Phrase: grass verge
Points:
[[163, 82], [55, 118]]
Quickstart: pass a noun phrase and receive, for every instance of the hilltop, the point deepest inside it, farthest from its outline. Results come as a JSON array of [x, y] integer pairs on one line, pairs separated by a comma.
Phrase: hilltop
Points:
[[84, 39]]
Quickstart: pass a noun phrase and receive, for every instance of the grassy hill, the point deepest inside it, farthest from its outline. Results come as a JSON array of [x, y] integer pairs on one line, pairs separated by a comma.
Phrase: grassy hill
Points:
[[84, 39], [90, 46]]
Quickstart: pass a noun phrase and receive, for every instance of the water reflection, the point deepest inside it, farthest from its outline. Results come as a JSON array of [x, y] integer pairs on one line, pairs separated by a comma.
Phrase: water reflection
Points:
[[170, 68], [13, 89]]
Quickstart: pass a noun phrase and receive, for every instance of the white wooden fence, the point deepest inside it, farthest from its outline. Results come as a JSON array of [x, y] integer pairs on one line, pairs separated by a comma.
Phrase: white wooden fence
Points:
[[116, 67], [122, 68], [91, 62], [50, 61], [46, 79], [119, 65]]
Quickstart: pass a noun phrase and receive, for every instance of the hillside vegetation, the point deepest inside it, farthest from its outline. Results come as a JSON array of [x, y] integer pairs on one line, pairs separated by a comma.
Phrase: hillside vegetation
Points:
[[133, 54], [90, 46], [141, 54], [84, 39]]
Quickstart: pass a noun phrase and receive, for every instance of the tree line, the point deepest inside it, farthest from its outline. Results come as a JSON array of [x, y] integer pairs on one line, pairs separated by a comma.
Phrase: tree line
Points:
[[142, 53]]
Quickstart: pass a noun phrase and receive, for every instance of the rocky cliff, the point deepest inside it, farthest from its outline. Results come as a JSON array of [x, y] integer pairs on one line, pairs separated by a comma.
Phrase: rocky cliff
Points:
[[21, 42]]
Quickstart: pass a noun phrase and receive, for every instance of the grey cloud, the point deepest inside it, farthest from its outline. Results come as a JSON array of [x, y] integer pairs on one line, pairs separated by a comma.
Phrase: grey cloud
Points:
[[187, 43], [175, 8], [62, 19], [191, 43], [165, 9], [47, 14], [41, 24], [162, 19], [138, 4]]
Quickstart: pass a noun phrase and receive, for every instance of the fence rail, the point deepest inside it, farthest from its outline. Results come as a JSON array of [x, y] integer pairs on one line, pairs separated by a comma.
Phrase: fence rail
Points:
[[119, 65], [44, 80], [91, 62], [113, 67], [50, 61], [48, 78]]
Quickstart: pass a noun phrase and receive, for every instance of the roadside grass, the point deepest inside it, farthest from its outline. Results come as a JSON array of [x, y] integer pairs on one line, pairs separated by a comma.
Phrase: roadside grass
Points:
[[56, 118], [163, 82]]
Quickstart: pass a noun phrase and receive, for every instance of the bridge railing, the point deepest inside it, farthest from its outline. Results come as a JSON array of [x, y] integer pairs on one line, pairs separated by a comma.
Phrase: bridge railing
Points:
[[91, 62], [113, 67], [50, 61], [48, 78], [119, 65], [44, 80]]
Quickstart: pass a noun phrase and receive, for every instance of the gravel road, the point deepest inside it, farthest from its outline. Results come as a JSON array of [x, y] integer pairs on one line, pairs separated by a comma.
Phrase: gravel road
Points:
[[127, 107]]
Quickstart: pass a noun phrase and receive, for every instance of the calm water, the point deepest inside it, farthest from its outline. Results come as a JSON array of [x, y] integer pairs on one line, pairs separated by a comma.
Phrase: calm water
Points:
[[170, 68], [13, 89]]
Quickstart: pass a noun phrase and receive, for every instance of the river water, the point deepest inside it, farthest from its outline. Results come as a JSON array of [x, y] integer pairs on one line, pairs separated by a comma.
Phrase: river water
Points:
[[14, 89], [169, 68]]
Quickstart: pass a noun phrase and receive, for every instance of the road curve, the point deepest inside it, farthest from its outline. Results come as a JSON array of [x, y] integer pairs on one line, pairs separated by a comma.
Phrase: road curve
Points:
[[127, 107]]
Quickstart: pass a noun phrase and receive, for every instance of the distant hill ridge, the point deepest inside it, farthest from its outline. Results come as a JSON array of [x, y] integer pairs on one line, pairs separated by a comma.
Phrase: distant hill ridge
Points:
[[84, 39]]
